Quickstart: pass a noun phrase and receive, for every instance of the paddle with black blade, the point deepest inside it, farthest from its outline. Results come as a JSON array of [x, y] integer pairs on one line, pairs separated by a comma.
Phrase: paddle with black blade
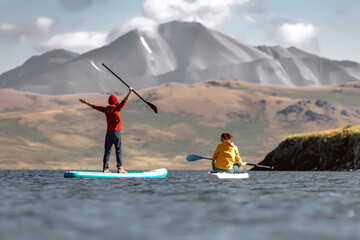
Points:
[[152, 106], [192, 158]]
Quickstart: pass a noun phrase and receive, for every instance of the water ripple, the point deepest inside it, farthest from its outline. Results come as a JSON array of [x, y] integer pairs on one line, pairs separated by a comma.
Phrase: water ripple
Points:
[[185, 205]]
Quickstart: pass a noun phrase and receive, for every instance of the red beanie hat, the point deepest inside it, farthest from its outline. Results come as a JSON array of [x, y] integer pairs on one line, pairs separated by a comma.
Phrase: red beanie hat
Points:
[[112, 100], [226, 136]]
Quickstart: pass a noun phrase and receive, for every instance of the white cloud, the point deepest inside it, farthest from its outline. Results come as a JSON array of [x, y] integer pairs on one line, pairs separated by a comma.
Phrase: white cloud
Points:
[[7, 27], [249, 19], [25, 31], [141, 23], [294, 34], [209, 12], [76, 40], [44, 23]]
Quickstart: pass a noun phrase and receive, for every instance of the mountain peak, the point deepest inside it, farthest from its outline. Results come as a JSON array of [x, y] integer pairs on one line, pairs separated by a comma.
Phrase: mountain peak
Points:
[[60, 53], [54, 56], [177, 23], [176, 51]]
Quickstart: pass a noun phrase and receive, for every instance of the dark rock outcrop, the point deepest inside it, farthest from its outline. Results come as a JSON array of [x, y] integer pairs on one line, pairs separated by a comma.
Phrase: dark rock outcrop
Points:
[[296, 109], [315, 117], [325, 105], [241, 115], [305, 110], [335, 150]]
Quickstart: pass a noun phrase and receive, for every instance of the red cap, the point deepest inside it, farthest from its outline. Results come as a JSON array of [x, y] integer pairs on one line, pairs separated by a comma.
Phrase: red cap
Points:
[[226, 136], [112, 100]]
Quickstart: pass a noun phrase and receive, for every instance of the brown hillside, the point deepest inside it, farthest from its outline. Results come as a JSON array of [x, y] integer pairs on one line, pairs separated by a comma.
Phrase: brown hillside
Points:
[[47, 132]]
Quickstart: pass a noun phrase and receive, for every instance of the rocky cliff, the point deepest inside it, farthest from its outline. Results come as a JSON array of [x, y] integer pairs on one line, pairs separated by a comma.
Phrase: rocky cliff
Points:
[[333, 150]]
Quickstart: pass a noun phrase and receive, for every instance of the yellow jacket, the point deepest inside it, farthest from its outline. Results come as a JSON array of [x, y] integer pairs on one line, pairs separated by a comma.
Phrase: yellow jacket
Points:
[[225, 156]]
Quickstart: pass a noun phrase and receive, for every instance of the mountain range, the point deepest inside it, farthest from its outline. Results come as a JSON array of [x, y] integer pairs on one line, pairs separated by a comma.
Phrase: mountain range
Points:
[[183, 52]]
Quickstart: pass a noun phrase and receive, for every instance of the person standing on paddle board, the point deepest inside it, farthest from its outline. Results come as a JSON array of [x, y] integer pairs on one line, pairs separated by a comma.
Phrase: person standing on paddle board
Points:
[[113, 134], [226, 157]]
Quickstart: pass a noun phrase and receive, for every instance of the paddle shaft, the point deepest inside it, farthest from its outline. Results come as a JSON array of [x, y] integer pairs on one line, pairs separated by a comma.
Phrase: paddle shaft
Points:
[[256, 165], [196, 157], [152, 106]]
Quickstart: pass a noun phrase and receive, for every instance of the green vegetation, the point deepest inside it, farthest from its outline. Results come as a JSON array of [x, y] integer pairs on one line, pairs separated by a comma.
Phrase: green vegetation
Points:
[[340, 133], [292, 127], [331, 150], [13, 128], [137, 116], [248, 136], [15, 109], [73, 135]]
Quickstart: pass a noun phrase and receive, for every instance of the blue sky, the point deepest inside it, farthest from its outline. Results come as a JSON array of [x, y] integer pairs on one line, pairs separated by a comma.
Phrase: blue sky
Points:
[[329, 28]]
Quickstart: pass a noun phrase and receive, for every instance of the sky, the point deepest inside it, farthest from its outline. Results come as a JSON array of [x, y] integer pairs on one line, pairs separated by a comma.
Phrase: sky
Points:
[[328, 28]]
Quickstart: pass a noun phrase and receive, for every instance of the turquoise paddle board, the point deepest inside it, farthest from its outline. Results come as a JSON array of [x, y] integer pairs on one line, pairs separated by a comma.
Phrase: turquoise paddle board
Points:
[[157, 173]]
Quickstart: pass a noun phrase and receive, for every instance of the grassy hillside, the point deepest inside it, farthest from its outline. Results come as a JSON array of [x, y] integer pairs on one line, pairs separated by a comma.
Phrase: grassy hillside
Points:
[[45, 132], [348, 131], [330, 150]]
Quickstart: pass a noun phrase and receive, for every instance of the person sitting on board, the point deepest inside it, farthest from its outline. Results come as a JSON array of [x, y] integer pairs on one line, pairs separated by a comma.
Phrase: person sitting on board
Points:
[[114, 127], [226, 157]]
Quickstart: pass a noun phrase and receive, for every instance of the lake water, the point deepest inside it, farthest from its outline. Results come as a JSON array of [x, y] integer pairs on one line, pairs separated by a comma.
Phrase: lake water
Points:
[[185, 205]]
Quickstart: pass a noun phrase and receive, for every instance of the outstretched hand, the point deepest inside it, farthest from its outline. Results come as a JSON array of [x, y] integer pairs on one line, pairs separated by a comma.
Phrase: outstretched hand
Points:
[[83, 100]]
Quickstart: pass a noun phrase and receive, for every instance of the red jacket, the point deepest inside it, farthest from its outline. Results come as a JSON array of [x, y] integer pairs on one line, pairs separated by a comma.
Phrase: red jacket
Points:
[[112, 113]]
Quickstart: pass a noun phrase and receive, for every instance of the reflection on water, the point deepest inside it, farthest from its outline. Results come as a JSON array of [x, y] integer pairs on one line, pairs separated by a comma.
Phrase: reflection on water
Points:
[[185, 205]]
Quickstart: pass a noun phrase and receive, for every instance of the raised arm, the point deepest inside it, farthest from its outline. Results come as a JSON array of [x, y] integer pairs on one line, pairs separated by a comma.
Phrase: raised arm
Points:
[[128, 95], [83, 100]]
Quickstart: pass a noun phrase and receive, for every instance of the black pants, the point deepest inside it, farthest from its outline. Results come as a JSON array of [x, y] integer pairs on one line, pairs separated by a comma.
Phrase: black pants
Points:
[[112, 138]]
